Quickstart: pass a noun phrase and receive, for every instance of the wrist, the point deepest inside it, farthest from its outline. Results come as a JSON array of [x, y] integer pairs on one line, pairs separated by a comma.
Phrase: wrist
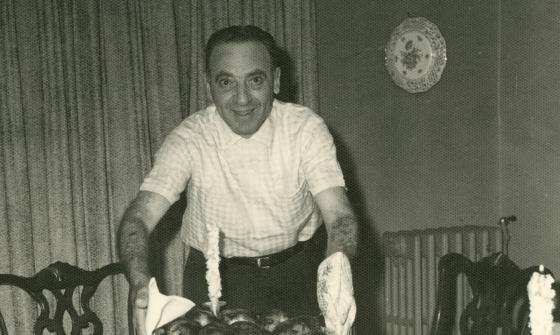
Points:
[[348, 250], [138, 273], [139, 281]]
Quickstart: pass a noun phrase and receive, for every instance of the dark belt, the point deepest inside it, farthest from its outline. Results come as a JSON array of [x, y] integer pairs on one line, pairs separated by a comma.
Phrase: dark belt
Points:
[[265, 262]]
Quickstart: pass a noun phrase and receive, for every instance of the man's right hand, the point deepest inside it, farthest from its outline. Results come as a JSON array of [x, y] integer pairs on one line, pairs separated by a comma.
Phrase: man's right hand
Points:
[[138, 221], [140, 299]]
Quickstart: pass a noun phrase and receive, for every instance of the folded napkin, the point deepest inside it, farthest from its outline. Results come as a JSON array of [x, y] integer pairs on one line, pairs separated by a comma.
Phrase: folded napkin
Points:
[[163, 309], [335, 294]]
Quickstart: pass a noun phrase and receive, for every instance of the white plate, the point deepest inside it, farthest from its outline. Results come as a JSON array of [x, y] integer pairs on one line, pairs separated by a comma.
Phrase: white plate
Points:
[[415, 55]]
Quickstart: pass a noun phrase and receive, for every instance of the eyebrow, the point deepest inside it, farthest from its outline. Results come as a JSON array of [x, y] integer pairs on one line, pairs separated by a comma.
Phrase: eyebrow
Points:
[[257, 72], [250, 74]]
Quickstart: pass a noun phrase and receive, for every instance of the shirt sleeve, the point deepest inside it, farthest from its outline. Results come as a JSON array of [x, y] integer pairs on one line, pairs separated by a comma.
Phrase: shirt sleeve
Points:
[[320, 165], [171, 170]]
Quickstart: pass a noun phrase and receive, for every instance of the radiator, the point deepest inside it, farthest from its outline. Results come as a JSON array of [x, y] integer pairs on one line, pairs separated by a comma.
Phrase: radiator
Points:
[[411, 259]]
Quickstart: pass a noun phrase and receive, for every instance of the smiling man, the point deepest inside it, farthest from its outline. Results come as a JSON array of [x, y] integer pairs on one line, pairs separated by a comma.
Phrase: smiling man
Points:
[[264, 171], [242, 81]]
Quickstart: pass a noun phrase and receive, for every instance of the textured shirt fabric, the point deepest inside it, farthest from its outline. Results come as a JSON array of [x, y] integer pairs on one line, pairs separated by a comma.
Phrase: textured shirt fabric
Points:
[[258, 191]]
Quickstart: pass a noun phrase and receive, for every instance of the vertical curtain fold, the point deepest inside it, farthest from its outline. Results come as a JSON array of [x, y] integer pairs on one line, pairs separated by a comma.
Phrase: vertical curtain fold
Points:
[[88, 91], [15, 180]]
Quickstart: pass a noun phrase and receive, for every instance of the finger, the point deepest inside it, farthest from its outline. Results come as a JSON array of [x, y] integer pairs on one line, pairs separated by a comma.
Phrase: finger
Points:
[[140, 321], [142, 298]]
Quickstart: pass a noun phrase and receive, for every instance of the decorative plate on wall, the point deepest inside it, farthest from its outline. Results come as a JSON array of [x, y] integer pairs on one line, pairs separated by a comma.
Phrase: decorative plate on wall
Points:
[[415, 55]]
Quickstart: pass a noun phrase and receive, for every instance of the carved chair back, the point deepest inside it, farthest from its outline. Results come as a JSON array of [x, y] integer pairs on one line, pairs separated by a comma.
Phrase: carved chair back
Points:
[[499, 290], [62, 280]]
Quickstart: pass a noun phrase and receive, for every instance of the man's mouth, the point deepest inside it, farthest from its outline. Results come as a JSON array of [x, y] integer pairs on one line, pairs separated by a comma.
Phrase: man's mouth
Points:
[[243, 112]]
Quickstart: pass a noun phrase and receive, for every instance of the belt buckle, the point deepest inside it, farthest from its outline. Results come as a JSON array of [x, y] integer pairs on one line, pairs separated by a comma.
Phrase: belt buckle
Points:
[[263, 262]]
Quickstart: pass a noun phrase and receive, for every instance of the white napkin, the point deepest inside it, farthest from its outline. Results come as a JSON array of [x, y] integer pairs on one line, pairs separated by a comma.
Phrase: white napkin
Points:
[[335, 294], [541, 302], [163, 309]]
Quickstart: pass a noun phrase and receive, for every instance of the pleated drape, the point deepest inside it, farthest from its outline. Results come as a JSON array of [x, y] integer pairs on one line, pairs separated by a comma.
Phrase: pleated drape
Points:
[[88, 91]]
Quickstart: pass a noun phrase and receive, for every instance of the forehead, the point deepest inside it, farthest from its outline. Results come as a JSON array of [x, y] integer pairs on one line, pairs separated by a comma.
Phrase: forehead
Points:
[[239, 58]]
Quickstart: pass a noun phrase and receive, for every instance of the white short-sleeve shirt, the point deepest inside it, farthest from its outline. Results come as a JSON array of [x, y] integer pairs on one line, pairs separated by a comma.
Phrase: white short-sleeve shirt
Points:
[[258, 191]]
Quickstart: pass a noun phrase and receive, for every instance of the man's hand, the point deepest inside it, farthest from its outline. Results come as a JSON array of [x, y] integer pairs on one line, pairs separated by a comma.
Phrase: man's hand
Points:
[[140, 299], [340, 221], [137, 223]]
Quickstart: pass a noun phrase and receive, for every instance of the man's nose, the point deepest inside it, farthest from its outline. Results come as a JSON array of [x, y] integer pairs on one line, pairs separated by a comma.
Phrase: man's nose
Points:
[[242, 96]]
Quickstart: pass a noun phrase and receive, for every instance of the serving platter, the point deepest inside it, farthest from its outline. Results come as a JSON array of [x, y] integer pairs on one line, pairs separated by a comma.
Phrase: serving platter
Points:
[[416, 55]]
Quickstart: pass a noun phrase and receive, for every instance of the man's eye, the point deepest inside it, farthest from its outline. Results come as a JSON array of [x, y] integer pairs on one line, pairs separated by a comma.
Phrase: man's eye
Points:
[[257, 81], [225, 83]]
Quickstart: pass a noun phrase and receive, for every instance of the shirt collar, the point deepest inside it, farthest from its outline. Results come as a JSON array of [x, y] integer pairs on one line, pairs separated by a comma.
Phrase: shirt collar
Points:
[[264, 134], [226, 137]]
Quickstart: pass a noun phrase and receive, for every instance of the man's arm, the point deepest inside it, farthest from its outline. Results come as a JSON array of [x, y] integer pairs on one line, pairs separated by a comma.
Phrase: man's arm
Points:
[[340, 221], [139, 220]]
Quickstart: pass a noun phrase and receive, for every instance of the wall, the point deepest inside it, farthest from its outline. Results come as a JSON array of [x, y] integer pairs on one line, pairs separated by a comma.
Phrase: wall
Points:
[[411, 160], [420, 160], [530, 128]]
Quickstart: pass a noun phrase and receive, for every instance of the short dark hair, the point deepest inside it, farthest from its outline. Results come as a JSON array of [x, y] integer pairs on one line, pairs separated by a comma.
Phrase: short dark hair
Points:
[[246, 33]]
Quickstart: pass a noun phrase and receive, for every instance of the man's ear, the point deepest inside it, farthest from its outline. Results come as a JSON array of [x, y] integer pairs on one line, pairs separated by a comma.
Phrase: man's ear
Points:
[[277, 74], [208, 89]]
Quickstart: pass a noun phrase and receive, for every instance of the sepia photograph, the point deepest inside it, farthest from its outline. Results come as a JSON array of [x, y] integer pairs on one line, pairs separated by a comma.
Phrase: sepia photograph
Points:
[[279, 167]]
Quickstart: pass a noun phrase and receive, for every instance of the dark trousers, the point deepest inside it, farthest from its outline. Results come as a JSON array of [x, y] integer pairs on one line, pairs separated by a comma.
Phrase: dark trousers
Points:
[[290, 286]]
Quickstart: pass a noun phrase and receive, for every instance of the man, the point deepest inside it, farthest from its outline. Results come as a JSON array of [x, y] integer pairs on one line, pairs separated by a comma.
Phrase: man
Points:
[[265, 172]]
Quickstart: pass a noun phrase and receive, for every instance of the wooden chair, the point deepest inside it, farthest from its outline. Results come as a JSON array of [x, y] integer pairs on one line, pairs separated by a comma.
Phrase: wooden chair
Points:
[[499, 300], [62, 279]]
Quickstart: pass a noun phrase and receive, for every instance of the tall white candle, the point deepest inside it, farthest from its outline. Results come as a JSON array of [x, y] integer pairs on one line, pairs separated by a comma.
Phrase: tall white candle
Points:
[[541, 303], [213, 267]]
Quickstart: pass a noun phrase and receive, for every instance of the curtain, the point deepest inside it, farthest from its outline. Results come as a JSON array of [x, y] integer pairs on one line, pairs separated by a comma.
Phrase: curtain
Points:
[[88, 91]]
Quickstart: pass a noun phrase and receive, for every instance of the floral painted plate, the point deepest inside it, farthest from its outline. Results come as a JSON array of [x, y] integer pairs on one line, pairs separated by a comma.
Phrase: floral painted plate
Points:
[[415, 55]]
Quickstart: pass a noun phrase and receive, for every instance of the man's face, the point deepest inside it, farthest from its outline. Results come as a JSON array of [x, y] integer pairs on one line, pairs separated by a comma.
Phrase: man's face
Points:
[[242, 85]]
